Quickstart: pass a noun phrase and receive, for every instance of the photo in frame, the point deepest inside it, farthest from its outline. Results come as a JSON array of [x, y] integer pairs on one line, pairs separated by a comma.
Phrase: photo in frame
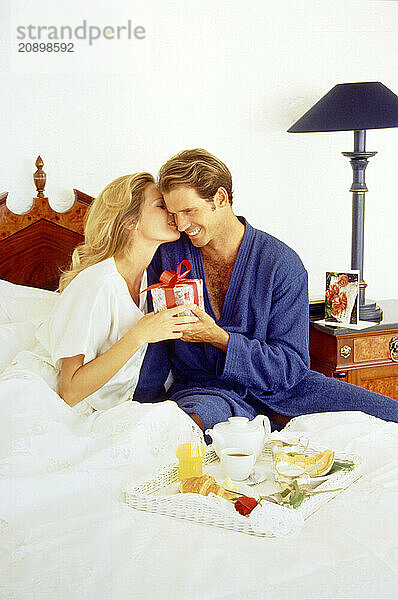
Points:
[[341, 297]]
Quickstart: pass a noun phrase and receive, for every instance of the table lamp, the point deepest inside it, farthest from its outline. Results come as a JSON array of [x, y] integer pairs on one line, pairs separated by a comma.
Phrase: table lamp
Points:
[[355, 107]]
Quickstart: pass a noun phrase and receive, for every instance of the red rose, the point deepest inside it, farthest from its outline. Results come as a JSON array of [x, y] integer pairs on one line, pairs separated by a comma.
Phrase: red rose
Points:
[[343, 280], [244, 505]]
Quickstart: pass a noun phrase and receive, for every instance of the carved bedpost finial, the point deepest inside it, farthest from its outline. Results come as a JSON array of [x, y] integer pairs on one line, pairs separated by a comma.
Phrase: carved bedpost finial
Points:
[[39, 177]]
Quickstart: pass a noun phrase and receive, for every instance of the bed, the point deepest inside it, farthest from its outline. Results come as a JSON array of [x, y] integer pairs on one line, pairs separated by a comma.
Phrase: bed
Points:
[[346, 550]]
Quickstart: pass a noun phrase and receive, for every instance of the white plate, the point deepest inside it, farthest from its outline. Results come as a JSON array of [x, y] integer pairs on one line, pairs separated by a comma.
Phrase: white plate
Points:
[[312, 480], [244, 489], [321, 478]]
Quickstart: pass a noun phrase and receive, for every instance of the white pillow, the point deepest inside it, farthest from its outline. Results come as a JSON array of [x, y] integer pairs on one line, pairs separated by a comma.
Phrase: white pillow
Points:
[[15, 337], [22, 303]]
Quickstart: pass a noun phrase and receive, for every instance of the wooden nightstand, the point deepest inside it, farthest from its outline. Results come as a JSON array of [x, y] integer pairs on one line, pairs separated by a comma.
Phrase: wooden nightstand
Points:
[[360, 357]]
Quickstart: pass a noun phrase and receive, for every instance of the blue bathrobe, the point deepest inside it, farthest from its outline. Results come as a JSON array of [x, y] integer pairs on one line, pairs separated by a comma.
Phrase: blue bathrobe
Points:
[[266, 367]]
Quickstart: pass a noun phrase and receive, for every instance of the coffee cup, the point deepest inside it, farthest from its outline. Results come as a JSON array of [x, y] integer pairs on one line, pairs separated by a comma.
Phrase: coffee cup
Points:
[[237, 463]]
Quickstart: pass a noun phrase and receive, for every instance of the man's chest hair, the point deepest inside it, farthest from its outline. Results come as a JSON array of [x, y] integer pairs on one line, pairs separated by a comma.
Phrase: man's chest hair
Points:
[[218, 276]]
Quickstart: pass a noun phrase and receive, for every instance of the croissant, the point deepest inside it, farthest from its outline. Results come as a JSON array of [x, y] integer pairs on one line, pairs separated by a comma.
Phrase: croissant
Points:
[[205, 485]]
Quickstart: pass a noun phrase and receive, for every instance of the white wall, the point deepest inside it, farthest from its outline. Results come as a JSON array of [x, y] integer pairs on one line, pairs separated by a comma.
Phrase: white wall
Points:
[[227, 75]]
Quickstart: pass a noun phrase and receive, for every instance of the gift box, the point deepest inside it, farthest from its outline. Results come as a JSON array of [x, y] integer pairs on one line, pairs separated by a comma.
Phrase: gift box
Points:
[[174, 289]]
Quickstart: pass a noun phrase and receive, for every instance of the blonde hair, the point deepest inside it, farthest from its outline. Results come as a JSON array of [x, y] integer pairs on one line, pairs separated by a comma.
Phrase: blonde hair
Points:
[[118, 204], [197, 169]]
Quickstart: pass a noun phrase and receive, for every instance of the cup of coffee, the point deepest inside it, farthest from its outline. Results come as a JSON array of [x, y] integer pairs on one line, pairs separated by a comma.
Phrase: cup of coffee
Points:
[[237, 463]]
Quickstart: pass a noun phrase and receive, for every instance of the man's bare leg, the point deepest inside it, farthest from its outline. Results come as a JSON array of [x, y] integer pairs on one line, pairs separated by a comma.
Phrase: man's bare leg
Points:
[[280, 419], [197, 419]]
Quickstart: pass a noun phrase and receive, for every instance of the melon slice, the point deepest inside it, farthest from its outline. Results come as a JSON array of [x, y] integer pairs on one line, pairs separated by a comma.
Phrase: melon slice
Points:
[[324, 460]]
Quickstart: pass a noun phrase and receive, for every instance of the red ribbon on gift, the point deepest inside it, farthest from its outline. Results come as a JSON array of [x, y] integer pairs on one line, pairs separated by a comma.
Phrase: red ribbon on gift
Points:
[[169, 279]]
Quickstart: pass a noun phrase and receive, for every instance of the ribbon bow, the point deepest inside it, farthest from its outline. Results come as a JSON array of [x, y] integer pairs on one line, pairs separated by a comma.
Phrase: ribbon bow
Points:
[[171, 278]]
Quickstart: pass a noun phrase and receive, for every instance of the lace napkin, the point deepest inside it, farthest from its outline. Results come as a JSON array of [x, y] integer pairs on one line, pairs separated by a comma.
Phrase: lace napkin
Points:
[[267, 518], [271, 519]]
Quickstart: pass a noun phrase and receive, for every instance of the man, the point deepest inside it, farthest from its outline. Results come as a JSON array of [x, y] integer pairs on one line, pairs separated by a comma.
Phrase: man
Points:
[[248, 352]]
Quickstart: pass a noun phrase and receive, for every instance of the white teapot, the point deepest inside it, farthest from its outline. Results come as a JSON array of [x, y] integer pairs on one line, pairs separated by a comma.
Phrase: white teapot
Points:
[[239, 432]]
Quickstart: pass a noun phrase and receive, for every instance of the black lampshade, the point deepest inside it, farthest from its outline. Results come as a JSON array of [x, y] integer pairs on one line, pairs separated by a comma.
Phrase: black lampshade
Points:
[[351, 106]]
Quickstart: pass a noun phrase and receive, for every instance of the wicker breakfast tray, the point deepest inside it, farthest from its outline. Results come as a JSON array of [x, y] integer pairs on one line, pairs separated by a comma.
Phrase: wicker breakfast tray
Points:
[[160, 494]]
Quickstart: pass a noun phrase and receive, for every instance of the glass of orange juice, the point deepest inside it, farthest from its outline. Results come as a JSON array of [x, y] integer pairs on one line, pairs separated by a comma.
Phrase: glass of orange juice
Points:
[[190, 460]]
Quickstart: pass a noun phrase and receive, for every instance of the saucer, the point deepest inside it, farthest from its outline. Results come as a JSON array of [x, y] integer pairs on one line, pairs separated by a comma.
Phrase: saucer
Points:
[[258, 475]]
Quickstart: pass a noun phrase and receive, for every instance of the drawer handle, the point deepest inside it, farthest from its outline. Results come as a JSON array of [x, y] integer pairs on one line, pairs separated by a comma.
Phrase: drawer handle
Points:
[[394, 349], [345, 351], [340, 375]]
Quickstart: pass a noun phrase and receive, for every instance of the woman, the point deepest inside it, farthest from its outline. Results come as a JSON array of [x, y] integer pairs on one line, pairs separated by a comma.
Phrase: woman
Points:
[[64, 404]]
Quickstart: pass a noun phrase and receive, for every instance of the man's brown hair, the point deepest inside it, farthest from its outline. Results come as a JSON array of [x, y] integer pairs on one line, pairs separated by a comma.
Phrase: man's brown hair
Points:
[[198, 169]]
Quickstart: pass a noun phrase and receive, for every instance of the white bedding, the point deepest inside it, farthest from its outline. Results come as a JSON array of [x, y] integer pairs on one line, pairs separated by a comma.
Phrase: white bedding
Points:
[[21, 309], [21, 302], [101, 548], [66, 534], [13, 338]]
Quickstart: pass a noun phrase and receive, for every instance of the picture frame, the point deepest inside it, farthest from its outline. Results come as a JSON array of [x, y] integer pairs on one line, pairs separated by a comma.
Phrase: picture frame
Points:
[[342, 297]]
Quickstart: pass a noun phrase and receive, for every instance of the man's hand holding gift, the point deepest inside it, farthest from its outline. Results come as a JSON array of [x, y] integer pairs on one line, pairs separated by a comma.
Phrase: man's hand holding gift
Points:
[[174, 289], [206, 330]]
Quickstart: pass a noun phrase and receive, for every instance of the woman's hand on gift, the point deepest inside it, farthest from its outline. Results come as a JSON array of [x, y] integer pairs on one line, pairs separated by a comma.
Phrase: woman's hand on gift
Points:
[[205, 330], [164, 325], [78, 380]]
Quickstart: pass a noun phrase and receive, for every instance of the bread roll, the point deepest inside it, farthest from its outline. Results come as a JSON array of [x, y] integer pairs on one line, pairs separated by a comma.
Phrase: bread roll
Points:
[[204, 486]]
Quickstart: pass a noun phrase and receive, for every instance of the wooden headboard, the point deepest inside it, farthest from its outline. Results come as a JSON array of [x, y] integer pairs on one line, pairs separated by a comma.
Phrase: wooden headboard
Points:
[[35, 246]]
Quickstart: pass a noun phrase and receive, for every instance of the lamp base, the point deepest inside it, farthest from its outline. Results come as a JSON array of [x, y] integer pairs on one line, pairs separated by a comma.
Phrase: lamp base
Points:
[[370, 312]]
